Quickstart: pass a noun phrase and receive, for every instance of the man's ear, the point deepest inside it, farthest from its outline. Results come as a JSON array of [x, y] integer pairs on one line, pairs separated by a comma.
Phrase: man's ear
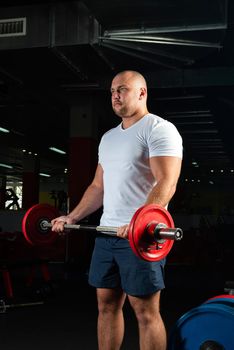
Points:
[[142, 92]]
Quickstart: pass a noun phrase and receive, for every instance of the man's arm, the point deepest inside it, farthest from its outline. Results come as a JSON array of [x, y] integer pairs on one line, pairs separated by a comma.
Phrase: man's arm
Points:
[[90, 202], [166, 171]]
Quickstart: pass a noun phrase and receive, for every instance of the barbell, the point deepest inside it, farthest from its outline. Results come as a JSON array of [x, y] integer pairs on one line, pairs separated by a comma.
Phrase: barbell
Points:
[[4, 307], [151, 231]]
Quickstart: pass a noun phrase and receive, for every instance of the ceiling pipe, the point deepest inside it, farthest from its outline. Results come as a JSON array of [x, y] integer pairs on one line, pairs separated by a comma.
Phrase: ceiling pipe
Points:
[[161, 40], [176, 29], [152, 51], [136, 55]]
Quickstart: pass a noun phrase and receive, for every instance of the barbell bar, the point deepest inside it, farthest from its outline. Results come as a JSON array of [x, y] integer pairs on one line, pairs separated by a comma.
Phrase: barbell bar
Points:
[[160, 232], [4, 307], [151, 231]]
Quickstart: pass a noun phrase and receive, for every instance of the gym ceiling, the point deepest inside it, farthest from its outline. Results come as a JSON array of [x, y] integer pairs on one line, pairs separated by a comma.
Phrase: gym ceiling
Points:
[[54, 53]]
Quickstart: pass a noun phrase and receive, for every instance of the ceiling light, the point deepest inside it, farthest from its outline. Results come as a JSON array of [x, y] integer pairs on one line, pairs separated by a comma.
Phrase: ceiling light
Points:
[[57, 150], [4, 130], [45, 175], [6, 166]]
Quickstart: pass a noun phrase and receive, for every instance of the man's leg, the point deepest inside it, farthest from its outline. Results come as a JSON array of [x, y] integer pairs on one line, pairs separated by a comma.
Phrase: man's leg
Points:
[[152, 332], [110, 318]]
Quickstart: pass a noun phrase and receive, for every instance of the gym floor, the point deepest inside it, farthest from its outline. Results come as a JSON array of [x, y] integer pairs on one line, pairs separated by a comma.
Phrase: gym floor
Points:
[[67, 318]]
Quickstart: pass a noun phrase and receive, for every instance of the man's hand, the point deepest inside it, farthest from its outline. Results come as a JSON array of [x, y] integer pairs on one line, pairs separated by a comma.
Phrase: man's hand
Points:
[[122, 231], [59, 222]]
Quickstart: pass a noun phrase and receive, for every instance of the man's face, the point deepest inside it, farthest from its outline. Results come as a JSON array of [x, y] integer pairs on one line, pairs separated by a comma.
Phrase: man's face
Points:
[[125, 93]]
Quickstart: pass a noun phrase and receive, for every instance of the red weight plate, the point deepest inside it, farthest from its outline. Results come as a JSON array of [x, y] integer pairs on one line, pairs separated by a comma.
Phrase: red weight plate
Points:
[[228, 296], [221, 297], [31, 224], [141, 241]]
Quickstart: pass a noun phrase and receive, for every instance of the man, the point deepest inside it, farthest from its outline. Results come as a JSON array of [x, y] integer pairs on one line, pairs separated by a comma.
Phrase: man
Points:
[[139, 163]]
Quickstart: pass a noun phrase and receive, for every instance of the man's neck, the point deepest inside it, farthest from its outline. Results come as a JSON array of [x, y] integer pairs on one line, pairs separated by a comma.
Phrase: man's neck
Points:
[[129, 121]]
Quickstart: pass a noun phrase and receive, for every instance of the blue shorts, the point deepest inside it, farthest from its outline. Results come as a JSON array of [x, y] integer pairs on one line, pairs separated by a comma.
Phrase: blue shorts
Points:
[[114, 264]]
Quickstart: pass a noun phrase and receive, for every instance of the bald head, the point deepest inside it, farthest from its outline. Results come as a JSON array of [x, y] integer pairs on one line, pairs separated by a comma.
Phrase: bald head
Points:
[[129, 95], [133, 76]]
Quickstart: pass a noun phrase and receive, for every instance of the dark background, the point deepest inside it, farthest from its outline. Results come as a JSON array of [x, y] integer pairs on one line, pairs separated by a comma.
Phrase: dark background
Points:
[[70, 53]]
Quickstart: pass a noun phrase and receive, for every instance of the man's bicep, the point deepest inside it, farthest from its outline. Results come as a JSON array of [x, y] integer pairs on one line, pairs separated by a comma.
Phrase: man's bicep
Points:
[[165, 167]]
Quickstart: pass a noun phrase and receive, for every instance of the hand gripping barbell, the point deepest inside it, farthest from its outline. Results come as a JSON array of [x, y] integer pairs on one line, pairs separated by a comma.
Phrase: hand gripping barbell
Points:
[[151, 231]]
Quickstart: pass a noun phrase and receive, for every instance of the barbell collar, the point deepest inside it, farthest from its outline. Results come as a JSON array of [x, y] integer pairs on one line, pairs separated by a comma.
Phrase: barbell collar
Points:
[[175, 234]]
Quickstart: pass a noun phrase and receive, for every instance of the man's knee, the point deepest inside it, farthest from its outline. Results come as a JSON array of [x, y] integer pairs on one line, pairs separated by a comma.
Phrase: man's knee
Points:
[[110, 300], [147, 316], [146, 308]]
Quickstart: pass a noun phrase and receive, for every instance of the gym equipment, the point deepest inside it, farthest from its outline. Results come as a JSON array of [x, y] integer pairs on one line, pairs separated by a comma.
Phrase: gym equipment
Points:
[[207, 327], [4, 307], [151, 230], [224, 299], [33, 224], [149, 235]]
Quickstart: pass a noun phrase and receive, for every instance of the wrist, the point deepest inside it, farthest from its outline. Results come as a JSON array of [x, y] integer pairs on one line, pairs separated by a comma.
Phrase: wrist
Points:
[[72, 218]]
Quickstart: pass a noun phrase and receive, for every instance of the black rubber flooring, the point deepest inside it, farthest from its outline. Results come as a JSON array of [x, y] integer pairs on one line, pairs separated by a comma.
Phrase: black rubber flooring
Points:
[[67, 318]]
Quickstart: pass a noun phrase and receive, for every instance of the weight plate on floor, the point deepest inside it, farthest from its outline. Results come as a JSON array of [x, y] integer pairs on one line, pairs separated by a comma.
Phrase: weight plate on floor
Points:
[[212, 323]]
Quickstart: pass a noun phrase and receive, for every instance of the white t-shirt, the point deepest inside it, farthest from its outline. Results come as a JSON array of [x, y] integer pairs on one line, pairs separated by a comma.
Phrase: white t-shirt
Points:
[[124, 156]]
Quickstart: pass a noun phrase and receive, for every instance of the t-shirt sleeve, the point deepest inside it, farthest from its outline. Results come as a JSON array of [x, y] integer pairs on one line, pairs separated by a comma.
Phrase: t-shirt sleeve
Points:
[[165, 140], [99, 153]]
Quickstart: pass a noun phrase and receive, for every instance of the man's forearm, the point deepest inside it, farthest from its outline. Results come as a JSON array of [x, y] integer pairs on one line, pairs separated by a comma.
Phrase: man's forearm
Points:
[[89, 203], [161, 193]]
